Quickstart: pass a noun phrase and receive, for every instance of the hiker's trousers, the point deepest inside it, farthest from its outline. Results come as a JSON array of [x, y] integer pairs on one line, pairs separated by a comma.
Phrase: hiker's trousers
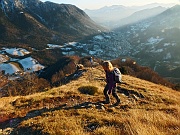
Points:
[[114, 90]]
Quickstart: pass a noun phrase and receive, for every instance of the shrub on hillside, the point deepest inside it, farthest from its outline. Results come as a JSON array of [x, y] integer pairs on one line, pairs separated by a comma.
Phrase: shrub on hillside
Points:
[[91, 90], [26, 85], [86, 61], [57, 77], [177, 87], [130, 67]]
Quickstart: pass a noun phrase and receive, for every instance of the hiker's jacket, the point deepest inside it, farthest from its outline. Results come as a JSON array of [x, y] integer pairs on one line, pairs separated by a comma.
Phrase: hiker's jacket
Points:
[[110, 79]]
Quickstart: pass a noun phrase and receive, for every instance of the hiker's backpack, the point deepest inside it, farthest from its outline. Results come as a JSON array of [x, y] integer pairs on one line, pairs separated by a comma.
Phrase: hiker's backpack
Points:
[[118, 76]]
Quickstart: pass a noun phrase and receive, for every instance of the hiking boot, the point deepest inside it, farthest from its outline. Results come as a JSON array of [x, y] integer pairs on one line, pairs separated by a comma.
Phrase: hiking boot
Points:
[[105, 102], [117, 103]]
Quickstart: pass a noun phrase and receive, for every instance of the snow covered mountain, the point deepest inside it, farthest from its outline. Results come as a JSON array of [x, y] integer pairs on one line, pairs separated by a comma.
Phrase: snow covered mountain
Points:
[[38, 23]]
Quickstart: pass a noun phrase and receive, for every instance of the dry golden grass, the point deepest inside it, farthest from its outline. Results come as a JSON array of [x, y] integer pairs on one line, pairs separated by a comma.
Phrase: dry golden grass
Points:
[[149, 109]]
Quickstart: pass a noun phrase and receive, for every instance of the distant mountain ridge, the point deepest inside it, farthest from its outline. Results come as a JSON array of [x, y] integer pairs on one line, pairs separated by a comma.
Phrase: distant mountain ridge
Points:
[[44, 22], [139, 16], [115, 16]]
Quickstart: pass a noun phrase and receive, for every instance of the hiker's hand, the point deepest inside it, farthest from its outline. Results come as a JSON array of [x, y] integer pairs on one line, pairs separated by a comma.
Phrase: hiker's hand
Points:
[[109, 92]]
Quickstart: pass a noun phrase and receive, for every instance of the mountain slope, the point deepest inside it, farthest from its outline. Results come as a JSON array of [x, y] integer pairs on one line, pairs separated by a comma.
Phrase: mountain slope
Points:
[[145, 108], [23, 28], [155, 42], [34, 22]]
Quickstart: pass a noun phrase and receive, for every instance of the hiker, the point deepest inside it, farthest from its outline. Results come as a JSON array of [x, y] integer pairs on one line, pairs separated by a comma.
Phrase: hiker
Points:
[[111, 86], [91, 61]]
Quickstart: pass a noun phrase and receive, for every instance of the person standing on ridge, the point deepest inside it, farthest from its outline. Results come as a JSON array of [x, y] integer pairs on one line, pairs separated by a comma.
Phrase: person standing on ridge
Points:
[[91, 61], [111, 86]]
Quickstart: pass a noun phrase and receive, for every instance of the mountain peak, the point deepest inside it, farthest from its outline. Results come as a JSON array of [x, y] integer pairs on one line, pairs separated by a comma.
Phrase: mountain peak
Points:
[[53, 22]]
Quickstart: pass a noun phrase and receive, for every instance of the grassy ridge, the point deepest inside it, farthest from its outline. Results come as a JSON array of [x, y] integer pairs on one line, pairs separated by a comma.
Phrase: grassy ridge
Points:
[[146, 108]]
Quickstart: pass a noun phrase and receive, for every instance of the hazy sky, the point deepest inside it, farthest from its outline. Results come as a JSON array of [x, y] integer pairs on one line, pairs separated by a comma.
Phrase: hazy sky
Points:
[[95, 4]]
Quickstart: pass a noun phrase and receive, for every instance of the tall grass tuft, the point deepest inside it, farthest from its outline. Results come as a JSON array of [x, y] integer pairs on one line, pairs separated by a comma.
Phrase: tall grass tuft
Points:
[[91, 90]]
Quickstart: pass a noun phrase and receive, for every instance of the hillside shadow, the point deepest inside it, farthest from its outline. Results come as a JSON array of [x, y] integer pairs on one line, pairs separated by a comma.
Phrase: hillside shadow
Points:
[[14, 123], [128, 93]]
